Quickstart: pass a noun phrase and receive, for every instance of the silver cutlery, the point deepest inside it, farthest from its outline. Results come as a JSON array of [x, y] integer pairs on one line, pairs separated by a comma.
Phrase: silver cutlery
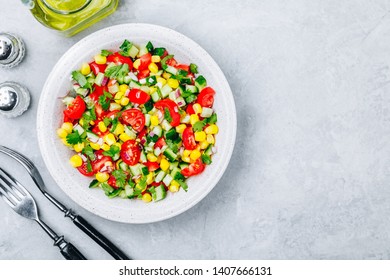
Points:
[[80, 222], [21, 201]]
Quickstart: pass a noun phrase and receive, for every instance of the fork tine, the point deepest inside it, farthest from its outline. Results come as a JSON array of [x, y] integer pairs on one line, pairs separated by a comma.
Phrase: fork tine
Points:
[[22, 159], [14, 186], [8, 196]]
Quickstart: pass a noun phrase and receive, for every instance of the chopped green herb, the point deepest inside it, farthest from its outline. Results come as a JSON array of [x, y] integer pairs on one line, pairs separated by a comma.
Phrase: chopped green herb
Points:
[[107, 121], [74, 138], [89, 166], [211, 120], [88, 151], [194, 68], [198, 126], [191, 98], [105, 53], [104, 100], [167, 115], [117, 71], [112, 152], [120, 177]]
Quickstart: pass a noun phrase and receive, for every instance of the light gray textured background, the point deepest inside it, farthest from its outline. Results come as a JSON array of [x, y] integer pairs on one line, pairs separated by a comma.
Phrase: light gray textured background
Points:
[[310, 174]]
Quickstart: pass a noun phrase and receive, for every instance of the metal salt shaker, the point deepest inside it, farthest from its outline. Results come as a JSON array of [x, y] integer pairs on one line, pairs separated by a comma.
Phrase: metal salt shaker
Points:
[[12, 50], [14, 99]]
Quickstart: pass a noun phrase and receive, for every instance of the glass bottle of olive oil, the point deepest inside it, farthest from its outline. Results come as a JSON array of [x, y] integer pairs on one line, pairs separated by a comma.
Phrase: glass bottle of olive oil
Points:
[[70, 16]]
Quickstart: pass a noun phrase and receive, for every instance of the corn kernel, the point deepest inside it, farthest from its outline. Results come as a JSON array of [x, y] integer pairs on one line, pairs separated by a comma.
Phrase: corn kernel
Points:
[[195, 154], [118, 96], [203, 145], [95, 146], [99, 59], [81, 122], [200, 136], [62, 133], [154, 120], [78, 147], [91, 122], [156, 58], [212, 129], [151, 157], [153, 67], [102, 127], [210, 139], [152, 90], [65, 142], [85, 69], [194, 118], [150, 178], [197, 108], [102, 177], [109, 139], [137, 63], [173, 83], [146, 197], [119, 145], [124, 137], [105, 147], [186, 153], [164, 164], [180, 128], [175, 183], [119, 129], [124, 101], [68, 126], [160, 80], [173, 187], [123, 88], [166, 75], [186, 159], [76, 161]]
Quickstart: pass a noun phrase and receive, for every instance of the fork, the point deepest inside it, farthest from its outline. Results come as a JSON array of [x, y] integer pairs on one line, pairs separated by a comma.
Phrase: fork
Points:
[[21, 201], [79, 221]]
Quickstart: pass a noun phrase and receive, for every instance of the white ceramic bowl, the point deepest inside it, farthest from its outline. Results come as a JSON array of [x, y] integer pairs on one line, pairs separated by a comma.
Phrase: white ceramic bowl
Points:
[[56, 155]]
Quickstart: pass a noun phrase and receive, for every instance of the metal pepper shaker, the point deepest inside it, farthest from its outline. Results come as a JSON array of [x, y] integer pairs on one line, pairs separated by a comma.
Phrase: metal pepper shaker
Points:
[[12, 50], [14, 99]]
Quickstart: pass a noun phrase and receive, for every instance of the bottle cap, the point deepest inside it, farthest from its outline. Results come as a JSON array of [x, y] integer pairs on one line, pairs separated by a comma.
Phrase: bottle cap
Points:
[[12, 50], [14, 99]]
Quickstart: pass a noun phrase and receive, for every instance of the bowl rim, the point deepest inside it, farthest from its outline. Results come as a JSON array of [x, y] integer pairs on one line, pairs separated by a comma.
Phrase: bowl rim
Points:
[[232, 110]]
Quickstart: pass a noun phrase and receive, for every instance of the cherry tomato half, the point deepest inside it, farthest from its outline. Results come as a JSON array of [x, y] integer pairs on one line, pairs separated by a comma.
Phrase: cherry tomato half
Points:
[[138, 96], [135, 118], [97, 92], [130, 152], [160, 143], [152, 166], [143, 74], [190, 109], [145, 60], [97, 68], [173, 110], [84, 170], [101, 161], [118, 58], [184, 67], [206, 97], [76, 109], [194, 168], [189, 139], [112, 182]]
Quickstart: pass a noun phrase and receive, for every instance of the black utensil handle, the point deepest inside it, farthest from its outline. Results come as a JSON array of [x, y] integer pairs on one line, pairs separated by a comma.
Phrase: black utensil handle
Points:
[[70, 252], [82, 224]]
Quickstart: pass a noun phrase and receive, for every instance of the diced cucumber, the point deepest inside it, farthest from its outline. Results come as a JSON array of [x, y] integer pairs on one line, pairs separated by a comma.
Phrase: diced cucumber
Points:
[[123, 165], [200, 82], [159, 177], [82, 91], [159, 193], [144, 170], [143, 157], [79, 129], [129, 191], [121, 79], [185, 119], [114, 88], [149, 149], [171, 156], [143, 50], [126, 80], [135, 169], [151, 81], [165, 125], [91, 80], [145, 89], [147, 119], [99, 79], [133, 51], [122, 194], [157, 152], [155, 96], [173, 165], [180, 101], [209, 151], [171, 70], [130, 132], [142, 81], [68, 100], [157, 130], [92, 137], [183, 165], [134, 84], [206, 112], [191, 89], [172, 95], [165, 90], [176, 174], [167, 180], [171, 134]]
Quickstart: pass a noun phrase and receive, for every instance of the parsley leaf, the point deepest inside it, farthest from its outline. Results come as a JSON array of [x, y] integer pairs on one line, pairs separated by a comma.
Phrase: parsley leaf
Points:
[[74, 138], [81, 80], [194, 68], [117, 71], [107, 121], [105, 53], [125, 48], [112, 151], [211, 120], [191, 98], [167, 115], [120, 177], [88, 151], [198, 126], [104, 100], [90, 115], [114, 123]]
